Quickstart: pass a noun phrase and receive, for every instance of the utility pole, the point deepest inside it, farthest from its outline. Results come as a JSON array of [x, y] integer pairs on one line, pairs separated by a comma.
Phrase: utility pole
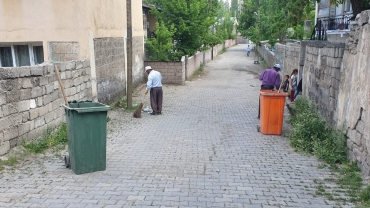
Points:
[[129, 54]]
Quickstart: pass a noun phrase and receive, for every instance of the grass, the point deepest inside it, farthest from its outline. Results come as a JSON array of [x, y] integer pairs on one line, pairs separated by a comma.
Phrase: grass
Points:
[[52, 139], [310, 134], [197, 73]]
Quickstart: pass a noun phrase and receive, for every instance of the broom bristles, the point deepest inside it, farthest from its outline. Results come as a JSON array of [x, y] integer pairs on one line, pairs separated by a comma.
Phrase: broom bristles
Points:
[[137, 113]]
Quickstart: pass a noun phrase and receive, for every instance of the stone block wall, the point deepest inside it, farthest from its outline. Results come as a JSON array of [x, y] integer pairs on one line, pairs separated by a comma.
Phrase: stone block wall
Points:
[[63, 51], [194, 63], [179, 72], [110, 68], [353, 108], [30, 99], [267, 55], [172, 72], [322, 76], [208, 55], [288, 57]]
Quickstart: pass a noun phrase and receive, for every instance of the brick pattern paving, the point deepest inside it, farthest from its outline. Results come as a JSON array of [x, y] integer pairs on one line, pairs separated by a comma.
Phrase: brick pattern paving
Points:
[[203, 151]]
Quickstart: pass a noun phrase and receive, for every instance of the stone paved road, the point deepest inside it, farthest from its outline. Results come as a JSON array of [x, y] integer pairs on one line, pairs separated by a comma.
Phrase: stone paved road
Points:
[[204, 151]]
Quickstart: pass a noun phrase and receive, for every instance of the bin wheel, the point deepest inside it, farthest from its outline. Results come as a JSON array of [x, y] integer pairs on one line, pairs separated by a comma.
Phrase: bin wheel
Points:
[[258, 128], [67, 161]]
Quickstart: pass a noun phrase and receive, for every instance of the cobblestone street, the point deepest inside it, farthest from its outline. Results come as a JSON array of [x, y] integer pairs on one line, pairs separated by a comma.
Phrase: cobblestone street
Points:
[[203, 151]]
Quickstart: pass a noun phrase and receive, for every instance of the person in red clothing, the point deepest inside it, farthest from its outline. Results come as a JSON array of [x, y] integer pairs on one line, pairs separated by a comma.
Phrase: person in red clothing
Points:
[[270, 79]]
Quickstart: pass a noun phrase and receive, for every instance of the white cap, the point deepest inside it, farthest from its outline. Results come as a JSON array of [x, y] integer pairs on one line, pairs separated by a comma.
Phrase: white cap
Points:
[[147, 68], [277, 66]]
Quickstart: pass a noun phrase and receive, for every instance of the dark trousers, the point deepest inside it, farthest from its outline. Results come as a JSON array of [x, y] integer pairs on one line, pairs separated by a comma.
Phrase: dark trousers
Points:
[[263, 87], [156, 98]]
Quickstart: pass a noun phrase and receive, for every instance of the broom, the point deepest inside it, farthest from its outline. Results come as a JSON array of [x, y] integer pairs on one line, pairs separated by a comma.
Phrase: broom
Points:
[[137, 113]]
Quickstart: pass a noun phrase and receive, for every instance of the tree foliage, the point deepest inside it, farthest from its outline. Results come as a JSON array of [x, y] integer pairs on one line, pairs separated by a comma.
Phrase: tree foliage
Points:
[[272, 19], [234, 8], [261, 20], [195, 24]]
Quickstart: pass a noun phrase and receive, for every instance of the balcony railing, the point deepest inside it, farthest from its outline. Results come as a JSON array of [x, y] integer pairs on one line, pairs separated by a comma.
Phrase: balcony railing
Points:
[[319, 31], [329, 24], [336, 23]]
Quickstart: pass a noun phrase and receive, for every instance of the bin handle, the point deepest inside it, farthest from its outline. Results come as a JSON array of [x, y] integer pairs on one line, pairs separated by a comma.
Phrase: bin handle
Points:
[[84, 110]]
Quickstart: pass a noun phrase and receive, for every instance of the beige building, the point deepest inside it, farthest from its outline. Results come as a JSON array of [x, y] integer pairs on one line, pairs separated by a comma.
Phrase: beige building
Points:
[[32, 32]]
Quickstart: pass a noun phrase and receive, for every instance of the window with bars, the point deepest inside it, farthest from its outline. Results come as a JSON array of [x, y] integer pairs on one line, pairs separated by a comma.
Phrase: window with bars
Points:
[[21, 55]]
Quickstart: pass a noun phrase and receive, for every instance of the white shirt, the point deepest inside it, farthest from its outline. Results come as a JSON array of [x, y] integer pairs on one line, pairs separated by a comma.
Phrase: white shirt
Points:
[[154, 80]]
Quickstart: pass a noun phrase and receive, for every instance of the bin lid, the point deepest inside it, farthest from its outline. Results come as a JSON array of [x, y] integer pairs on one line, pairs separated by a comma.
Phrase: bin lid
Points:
[[86, 107], [274, 93]]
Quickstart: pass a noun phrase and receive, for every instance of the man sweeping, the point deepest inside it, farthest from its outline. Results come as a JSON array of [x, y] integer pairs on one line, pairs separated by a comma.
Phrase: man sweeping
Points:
[[154, 85]]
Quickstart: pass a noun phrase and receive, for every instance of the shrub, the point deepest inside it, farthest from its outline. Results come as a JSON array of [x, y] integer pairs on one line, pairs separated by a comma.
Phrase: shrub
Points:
[[311, 134]]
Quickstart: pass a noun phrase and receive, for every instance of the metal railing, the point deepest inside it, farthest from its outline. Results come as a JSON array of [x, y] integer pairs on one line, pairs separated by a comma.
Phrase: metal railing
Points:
[[336, 23], [319, 31], [329, 24]]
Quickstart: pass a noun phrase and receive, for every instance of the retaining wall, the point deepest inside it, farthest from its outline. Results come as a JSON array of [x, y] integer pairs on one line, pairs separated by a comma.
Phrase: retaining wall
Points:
[[353, 97], [30, 99]]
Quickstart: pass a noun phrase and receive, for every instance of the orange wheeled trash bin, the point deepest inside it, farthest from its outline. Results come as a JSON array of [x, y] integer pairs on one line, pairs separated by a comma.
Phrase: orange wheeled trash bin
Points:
[[272, 112]]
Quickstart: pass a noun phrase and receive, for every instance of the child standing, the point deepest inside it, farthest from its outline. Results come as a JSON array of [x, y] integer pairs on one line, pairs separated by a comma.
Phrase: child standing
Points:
[[293, 84], [285, 84]]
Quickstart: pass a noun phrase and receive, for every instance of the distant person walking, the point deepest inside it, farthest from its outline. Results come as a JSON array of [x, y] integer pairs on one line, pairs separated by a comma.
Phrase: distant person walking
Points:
[[154, 84], [248, 50], [293, 84], [270, 79]]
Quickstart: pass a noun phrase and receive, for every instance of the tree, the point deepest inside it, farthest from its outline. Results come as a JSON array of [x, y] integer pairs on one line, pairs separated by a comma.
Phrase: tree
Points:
[[161, 46], [192, 19], [234, 8]]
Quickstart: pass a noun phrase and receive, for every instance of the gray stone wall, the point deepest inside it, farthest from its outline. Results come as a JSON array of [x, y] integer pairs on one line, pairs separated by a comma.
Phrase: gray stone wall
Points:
[[110, 68], [288, 57], [354, 92], [30, 99], [267, 55], [63, 51], [322, 76], [138, 72]]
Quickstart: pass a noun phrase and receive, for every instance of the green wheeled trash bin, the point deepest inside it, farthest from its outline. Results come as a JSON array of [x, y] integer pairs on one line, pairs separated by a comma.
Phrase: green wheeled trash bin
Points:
[[87, 136]]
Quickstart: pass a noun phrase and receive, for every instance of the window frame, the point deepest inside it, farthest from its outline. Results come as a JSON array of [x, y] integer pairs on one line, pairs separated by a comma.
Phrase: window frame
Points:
[[30, 51]]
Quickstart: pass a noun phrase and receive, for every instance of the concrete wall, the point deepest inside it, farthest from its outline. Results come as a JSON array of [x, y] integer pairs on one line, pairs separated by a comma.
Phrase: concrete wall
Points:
[[64, 21], [110, 68], [30, 99], [138, 60], [354, 92]]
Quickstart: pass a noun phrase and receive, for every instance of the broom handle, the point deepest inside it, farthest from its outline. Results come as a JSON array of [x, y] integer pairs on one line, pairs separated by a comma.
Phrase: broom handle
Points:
[[61, 85]]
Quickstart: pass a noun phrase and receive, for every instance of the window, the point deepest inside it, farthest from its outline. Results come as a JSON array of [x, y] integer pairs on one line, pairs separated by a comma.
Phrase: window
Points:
[[347, 6], [6, 58], [21, 55]]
